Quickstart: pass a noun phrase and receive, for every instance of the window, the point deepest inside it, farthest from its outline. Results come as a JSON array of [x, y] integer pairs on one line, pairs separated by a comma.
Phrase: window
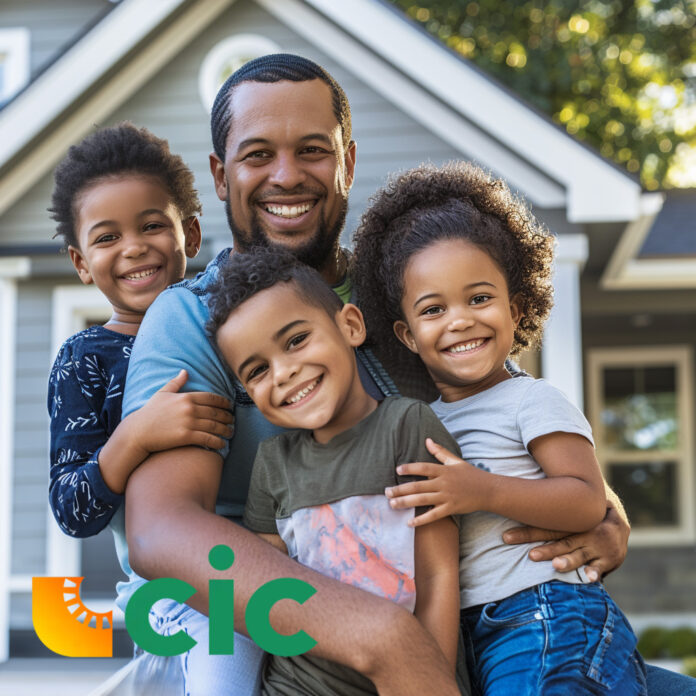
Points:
[[641, 403], [14, 62], [225, 58]]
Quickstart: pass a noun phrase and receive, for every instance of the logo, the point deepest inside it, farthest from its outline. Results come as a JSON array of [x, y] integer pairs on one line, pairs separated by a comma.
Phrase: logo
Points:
[[67, 627]]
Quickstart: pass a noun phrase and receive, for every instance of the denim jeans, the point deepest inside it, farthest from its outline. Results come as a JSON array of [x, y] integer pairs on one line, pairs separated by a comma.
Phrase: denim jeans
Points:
[[552, 639], [203, 674]]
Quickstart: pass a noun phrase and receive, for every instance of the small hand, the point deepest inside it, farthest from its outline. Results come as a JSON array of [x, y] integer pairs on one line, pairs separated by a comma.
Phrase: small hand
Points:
[[448, 490], [171, 419], [600, 550]]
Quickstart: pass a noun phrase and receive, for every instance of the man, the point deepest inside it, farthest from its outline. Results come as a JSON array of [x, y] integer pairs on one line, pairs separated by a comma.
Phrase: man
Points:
[[283, 164]]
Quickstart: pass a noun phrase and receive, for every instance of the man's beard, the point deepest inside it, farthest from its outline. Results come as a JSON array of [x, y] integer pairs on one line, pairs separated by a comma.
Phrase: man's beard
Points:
[[315, 252]]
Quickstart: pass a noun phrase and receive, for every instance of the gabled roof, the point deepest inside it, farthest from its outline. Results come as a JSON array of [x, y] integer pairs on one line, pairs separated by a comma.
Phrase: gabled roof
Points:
[[380, 46]]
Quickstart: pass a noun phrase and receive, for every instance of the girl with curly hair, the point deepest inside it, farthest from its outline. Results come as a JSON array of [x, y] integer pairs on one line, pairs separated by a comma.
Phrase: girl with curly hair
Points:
[[454, 268]]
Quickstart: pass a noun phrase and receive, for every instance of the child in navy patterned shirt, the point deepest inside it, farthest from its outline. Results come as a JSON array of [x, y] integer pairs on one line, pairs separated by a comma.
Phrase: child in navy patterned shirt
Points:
[[126, 208]]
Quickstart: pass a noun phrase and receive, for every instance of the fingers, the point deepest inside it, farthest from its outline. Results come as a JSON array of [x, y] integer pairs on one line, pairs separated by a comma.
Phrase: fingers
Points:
[[173, 385], [571, 561], [423, 486], [419, 500], [527, 535], [209, 399], [206, 439], [208, 413], [441, 454], [436, 513], [213, 427], [418, 469]]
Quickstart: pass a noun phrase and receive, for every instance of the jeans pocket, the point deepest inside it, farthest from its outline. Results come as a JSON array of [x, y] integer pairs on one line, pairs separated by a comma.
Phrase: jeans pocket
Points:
[[614, 653], [517, 610]]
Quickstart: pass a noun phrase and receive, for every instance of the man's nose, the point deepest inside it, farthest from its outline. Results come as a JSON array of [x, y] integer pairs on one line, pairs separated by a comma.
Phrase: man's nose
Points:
[[287, 171]]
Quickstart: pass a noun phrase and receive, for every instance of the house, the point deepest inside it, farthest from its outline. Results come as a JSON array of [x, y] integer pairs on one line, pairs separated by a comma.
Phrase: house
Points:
[[620, 341]]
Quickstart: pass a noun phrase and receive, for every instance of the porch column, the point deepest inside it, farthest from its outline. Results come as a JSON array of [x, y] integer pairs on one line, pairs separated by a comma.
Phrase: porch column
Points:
[[10, 270], [561, 355]]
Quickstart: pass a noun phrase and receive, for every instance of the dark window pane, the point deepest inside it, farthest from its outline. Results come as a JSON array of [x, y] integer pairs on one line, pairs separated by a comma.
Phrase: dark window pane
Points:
[[648, 492]]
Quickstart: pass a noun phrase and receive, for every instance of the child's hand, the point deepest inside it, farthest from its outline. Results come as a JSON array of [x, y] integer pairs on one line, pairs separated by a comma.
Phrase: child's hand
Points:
[[171, 419], [456, 488]]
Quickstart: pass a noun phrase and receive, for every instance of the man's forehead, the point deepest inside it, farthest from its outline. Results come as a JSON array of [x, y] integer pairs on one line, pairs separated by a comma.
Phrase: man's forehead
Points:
[[300, 107]]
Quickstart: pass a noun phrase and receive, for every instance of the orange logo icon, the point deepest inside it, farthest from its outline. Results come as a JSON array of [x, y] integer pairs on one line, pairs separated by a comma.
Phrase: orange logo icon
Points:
[[64, 624]]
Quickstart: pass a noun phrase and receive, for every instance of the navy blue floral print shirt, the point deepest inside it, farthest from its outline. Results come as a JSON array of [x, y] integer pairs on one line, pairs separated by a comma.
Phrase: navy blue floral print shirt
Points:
[[85, 391]]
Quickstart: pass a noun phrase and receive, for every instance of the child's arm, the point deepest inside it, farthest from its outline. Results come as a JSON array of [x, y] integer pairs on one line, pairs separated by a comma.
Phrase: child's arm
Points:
[[169, 419], [571, 498], [437, 583]]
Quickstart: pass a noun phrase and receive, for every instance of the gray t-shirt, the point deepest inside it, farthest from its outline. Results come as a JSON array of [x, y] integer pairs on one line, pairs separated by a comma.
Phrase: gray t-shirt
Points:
[[327, 503], [493, 429]]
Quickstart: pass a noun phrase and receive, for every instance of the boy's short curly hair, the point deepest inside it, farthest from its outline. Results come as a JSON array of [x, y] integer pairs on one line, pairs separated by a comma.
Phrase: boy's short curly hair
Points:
[[112, 153], [456, 201], [245, 274]]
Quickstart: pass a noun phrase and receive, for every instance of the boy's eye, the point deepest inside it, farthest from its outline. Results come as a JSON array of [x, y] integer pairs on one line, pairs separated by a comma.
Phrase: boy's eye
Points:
[[297, 340], [433, 310], [153, 226], [105, 238], [256, 371], [480, 299]]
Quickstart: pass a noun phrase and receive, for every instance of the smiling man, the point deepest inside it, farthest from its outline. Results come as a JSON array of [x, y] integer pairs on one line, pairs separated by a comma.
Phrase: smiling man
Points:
[[283, 164]]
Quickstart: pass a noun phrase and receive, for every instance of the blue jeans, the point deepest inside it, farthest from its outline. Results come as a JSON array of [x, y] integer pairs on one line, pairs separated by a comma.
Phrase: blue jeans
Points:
[[552, 639]]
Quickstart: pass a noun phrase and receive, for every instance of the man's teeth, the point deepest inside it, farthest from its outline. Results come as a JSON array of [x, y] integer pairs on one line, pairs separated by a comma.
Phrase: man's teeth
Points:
[[463, 347], [289, 211], [140, 274], [303, 392]]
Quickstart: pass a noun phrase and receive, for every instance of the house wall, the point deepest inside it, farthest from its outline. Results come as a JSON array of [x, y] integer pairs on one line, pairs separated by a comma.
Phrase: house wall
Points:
[[51, 24]]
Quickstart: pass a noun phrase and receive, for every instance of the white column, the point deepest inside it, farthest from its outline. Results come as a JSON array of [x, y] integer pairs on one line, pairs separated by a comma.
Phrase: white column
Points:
[[561, 356], [10, 269]]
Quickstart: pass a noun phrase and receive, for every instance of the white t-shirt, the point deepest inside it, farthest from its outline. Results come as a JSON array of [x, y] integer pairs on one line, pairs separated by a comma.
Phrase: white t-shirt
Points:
[[493, 429]]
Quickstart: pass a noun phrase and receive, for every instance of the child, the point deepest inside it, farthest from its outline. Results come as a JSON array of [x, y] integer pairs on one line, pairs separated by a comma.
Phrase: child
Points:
[[455, 267], [317, 491], [126, 208]]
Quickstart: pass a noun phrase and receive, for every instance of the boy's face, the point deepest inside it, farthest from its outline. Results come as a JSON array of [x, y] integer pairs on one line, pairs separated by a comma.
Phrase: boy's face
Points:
[[296, 362], [459, 317], [133, 243]]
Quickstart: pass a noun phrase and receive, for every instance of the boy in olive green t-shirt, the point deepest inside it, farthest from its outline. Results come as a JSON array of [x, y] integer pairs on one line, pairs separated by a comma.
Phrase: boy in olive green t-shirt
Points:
[[317, 491]]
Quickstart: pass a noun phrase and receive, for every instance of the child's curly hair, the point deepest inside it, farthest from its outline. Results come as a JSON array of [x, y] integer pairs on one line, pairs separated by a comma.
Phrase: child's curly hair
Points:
[[456, 201], [110, 153]]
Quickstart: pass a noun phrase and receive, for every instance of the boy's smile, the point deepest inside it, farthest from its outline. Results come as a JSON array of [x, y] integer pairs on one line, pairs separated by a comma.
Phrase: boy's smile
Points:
[[133, 244], [459, 317], [296, 362]]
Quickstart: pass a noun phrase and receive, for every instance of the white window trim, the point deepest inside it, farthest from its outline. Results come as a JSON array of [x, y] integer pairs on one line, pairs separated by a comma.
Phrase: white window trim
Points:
[[682, 358], [254, 45], [14, 42], [72, 306]]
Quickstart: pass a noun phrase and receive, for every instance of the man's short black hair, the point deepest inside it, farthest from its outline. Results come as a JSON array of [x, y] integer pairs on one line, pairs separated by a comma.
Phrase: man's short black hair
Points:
[[274, 68], [247, 273], [121, 150]]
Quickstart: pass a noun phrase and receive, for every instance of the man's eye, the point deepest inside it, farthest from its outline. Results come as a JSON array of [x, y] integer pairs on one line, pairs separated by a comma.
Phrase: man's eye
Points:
[[257, 155], [297, 340], [313, 150], [480, 299]]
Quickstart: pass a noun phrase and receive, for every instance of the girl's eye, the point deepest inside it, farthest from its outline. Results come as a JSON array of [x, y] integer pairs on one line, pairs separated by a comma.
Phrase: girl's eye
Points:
[[153, 226], [297, 340], [105, 238], [480, 299], [256, 372], [431, 311]]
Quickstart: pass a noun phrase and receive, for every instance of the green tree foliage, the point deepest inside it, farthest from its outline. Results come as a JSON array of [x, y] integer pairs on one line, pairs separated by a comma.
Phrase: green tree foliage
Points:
[[620, 75]]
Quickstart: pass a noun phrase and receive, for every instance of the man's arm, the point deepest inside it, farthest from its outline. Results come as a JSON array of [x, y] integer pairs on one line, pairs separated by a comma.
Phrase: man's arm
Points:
[[171, 527]]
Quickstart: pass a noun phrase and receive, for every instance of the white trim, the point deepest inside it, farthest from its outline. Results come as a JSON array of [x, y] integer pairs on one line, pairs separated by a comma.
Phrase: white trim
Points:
[[681, 357], [234, 49], [10, 270], [463, 135], [596, 189], [72, 306], [14, 42], [37, 108]]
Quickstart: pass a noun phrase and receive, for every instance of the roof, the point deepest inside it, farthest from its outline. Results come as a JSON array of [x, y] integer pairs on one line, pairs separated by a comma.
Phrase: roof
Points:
[[674, 230], [442, 91]]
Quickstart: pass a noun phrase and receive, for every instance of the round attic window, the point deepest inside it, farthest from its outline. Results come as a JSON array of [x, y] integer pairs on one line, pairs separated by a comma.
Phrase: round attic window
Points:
[[226, 57]]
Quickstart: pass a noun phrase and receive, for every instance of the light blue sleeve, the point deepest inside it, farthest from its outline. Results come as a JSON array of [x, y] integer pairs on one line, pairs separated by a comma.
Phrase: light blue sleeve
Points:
[[545, 409], [171, 338]]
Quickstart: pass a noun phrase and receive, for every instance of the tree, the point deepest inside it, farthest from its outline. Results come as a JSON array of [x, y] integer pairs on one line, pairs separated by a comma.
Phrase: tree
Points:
[[620, 75]]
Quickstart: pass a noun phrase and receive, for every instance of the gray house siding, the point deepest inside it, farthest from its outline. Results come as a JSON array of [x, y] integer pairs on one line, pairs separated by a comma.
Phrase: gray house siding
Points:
[[52, 25]]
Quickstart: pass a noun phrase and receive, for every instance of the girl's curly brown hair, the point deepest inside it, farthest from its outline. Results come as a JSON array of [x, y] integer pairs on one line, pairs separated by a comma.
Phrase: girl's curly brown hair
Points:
[[456, 201]]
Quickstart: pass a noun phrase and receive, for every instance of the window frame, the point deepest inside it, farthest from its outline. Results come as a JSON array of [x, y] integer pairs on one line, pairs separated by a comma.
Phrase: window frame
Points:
[[14, 42], [681, 358]]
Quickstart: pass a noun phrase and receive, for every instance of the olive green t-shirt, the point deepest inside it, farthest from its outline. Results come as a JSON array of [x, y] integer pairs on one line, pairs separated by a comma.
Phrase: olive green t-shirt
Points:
[[327, 503]]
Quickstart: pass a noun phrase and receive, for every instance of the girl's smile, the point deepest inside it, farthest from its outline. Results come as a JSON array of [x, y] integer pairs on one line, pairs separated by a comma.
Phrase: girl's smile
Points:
[[459, 317]]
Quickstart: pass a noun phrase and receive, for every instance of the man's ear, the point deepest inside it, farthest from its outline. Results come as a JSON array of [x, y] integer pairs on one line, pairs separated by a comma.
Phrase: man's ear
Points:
[[78, 260], [192, 236], [515, 311], [350, 159], [217, 169], [403, 333], [352, 325]]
